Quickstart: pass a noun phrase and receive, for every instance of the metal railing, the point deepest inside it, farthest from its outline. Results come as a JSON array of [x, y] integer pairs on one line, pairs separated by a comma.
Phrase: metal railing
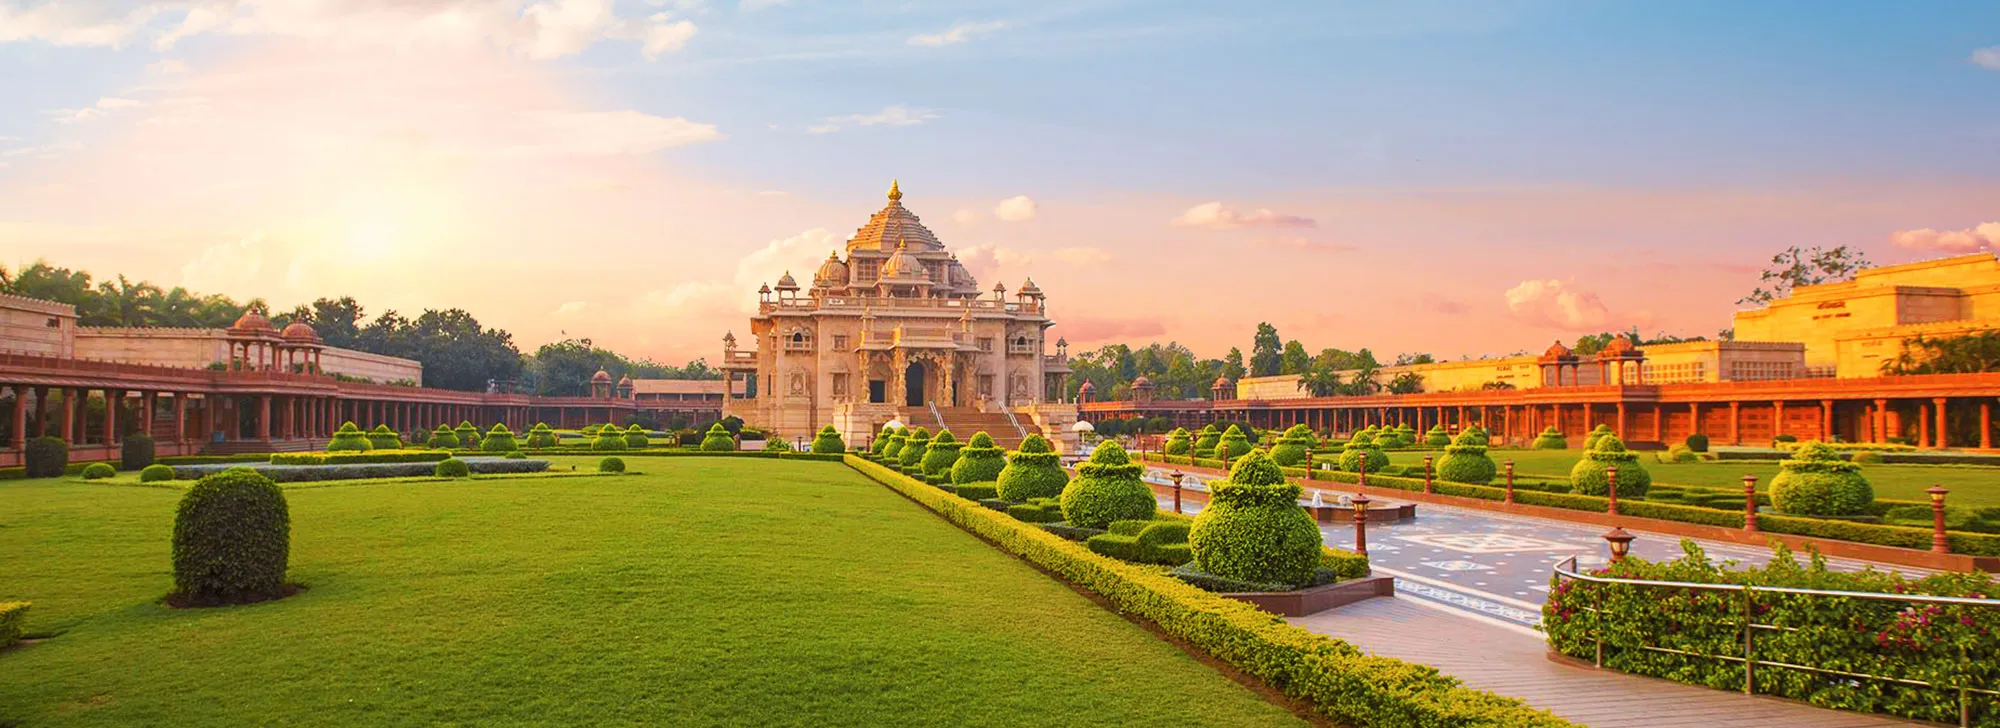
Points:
[[1567, 569]]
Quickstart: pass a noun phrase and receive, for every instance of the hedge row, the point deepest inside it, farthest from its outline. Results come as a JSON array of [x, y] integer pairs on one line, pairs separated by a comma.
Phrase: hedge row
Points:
[[18, 473], [483, 466], [1888, 457], [358, 458], [1334, 677]]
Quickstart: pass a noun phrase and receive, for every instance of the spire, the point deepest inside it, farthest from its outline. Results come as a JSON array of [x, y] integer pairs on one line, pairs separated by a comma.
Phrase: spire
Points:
[[895, 193]]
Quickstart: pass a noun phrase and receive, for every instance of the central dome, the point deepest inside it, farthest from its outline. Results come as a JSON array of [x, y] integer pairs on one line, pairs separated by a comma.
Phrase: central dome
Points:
[[892, 224]]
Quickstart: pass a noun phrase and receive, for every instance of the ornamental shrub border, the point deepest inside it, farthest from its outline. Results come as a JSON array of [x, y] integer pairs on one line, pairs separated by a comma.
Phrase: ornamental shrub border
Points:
[[317, 473], [1332, 676], [357, 458]]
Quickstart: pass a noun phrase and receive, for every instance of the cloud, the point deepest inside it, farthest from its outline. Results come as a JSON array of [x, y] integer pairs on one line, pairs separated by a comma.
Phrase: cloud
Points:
[[1308, 245], [986, 261], [167, 67], [958, 33], [1215, 216], [1987, 57], [968, 216], [1439, 304], [755, 5], [230, 266], [1015, 209], [1985, 236], [73, 23], [726, 300], [1086, 329], [572, 307], [1553, 304], [99, 110], [892, 115]]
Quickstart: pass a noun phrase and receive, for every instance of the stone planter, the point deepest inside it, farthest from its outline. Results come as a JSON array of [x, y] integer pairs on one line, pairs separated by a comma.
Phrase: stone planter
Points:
[[1320, 598]]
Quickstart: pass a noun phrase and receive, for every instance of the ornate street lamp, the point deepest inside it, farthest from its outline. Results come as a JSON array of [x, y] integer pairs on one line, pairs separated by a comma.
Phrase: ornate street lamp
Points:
[[1360, 501], [1510, 482], [1427, 475], [1750, 503], [1177, 475], [1939, 543], [1620, 542], [1611, 493]]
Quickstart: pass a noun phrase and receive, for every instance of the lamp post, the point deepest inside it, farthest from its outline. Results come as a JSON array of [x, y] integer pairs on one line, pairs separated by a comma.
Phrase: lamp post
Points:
[[1620, 542], [1361, 472], [1939, 543], [1360, 501], [1510, 482], [1427, 475], [1750, 503], [1177, 475], [1611, 493]]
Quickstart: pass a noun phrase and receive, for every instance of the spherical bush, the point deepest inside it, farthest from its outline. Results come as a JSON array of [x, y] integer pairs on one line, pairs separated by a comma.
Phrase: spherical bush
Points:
[[1034, 471], [1107, 489], [1697, 442], [1437, 437], [611, 465], [941, 454], [99, 471], [1816, 482], [1179, 442], [1551, 439], [232, 539], [1466, 461], [828, 441], [451, 468], [1254, 530], [46, 457], [979, 461], [348, 439], [1361, 449], [156, 473], [1588, 476], [1294, 448], [717, 439]]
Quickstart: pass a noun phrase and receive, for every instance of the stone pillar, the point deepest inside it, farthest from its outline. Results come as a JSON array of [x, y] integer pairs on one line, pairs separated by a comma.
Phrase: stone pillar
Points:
[[264, 417], [41, 411], [1923, 425], [180, 416], [1735, 423], [1777, 419], [20, 437], [1620, 427], [149, 401], [1985, 425], [1694, 418], [69, 422], [1943, 431], [114, 400], [1881, 420], [1826, 420]]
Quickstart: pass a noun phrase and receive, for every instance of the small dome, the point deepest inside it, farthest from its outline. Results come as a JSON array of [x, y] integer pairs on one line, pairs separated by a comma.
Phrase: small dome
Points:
[[601, 377], [1143, 382], [1221, 382], [1087, 387], [901, 268], [832, 273], [252, 322], [1030, 290], [1556, 350], [786, 283], [625, 381], [299, 331], [958, 277], [1619, 346]]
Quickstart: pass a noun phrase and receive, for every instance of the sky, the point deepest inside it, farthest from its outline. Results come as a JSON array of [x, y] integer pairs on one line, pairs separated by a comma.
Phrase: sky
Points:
[[1460, 178]]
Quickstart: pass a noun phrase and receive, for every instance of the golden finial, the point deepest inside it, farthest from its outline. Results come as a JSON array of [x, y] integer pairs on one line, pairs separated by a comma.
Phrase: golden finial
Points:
[[895, 193]]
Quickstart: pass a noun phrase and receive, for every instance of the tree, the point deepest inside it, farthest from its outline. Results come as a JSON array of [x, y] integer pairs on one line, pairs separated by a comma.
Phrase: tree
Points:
[[1810, 266], [1970, 353], [1320, 381], [1265, 359], [1408, 359], [1406, 383], [1294, 360], [1363, 382], [1232, 365]]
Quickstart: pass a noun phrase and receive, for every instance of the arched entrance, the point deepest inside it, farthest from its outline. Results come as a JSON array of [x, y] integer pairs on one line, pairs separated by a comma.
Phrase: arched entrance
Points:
[[913, 385]]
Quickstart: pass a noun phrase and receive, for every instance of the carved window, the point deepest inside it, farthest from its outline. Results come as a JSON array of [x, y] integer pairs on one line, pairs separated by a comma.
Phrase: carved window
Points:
[[840, 384], [985, 343], [985, 385], [865, 270], [840, 342], [800, 340]]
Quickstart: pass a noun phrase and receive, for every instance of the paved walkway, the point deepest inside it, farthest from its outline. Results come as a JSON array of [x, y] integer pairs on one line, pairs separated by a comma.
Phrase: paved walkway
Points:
[[1491, 657]]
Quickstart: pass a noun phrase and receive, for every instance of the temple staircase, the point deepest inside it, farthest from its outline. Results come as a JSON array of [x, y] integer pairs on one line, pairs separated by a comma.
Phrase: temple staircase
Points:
[[966, 421]]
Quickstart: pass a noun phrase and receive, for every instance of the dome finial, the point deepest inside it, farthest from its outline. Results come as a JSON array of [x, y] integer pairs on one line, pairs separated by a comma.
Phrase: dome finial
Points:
[[895, 192]]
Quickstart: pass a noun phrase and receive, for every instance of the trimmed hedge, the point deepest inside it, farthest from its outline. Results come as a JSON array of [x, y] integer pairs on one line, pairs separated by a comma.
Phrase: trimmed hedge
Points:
[[357, 458], [499, 439], [1551, 439], [1362, 449], [611, 465], [1204, 444], [467, 433], [1253, 529], [135, 452], [99, 471], [156, 472], [911, 456], [1234, 444], [636, 438], [1108, 489], [1294, 447], [451, 468], [1466, 461], [13, 621], [46, 457], [608, 439], [314, 474], [1144, 542], [1816, 482], [1034, 471], [828, 441], [541, 436], [977, 491], [1180, 441], [444, 438], [383, 438], [940, 455], [717, 439], [246, 457], [1589, 476], [232, 539], [1333, 677], [349, 439], [980, 461]]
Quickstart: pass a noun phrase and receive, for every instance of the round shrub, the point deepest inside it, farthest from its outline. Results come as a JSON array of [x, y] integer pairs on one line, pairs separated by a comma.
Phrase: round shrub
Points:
[[911, 456], [891, 447], [608, 439], [541, 436], [611, 465], [499, 439], [420, 436], [1551, 439], [1437, 437], [1479, 435], [99, 471], [468, 435], [383, 438], [1180, 442], [777, 444], [941, 454], [1465, 460], [515, 455], [135, 452], [635, 437], [1596, 433], [1108, 489], [1294, 448], [1254, 530], [46, 457], [717, 439], [828, 441], [978, 462], [1204, 446], [348, 438], [1679, 454], [444, 438], [1234, 444], [1034, 471], [882, 439], [155, 473], [232, 538], [1868, 457], [1816, 482], [1361, 449], [1588, 477], [451, 468], [1785, 438], [1697, 442]]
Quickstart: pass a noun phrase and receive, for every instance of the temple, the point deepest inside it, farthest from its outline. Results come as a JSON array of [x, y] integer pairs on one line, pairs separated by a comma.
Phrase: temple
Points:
[[894, 327]]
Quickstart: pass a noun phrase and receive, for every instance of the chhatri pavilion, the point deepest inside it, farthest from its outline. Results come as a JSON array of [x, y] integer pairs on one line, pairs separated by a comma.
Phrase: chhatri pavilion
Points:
[[898, 329]]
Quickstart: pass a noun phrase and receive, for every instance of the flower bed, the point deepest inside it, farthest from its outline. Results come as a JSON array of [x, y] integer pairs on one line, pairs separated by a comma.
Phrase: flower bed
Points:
[[1333, 677], [314, 473]]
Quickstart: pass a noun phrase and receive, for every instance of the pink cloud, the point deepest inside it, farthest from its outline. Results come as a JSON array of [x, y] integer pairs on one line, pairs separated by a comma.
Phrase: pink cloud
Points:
[[1554, 304], [1083, 329], [1448, 306], [1216, 216], [1985, 236]]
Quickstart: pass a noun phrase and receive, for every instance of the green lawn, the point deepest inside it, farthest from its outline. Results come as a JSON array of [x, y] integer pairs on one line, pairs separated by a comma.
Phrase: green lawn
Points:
[[707, 592], [1970, 486]]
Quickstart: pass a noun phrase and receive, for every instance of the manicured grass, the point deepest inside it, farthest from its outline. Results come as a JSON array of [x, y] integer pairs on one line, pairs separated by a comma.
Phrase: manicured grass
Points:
[[709, 591], [1970, 486]]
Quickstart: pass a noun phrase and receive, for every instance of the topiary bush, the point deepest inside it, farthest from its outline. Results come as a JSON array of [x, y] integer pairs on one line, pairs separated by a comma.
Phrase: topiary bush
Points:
[[1034, 471], [1465, 461], [1866, 457], [1108, 489], [499, 439], [635, 437], [608, 439], [468, 434], [940, 455], [383, 438], [135, 452], [717, 439], [1204, 446], [1253, 529], [979, 461], [99, 471], [541, 436], [1595, 434], [777, 444], [1179, 442], [1551, 439], [911, 457], [46, 457], [232, 539], [1294, 448], [349, 439], [155, 473], [1437, 437], [444, 438], [1678, 454], [882, 440], [1479, 434], [828, 441], [1360, 449], [1697, 442], [1233, 444], [887, 450], [1816, 482], [611, 465], [1588, 477], [451, 468]]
